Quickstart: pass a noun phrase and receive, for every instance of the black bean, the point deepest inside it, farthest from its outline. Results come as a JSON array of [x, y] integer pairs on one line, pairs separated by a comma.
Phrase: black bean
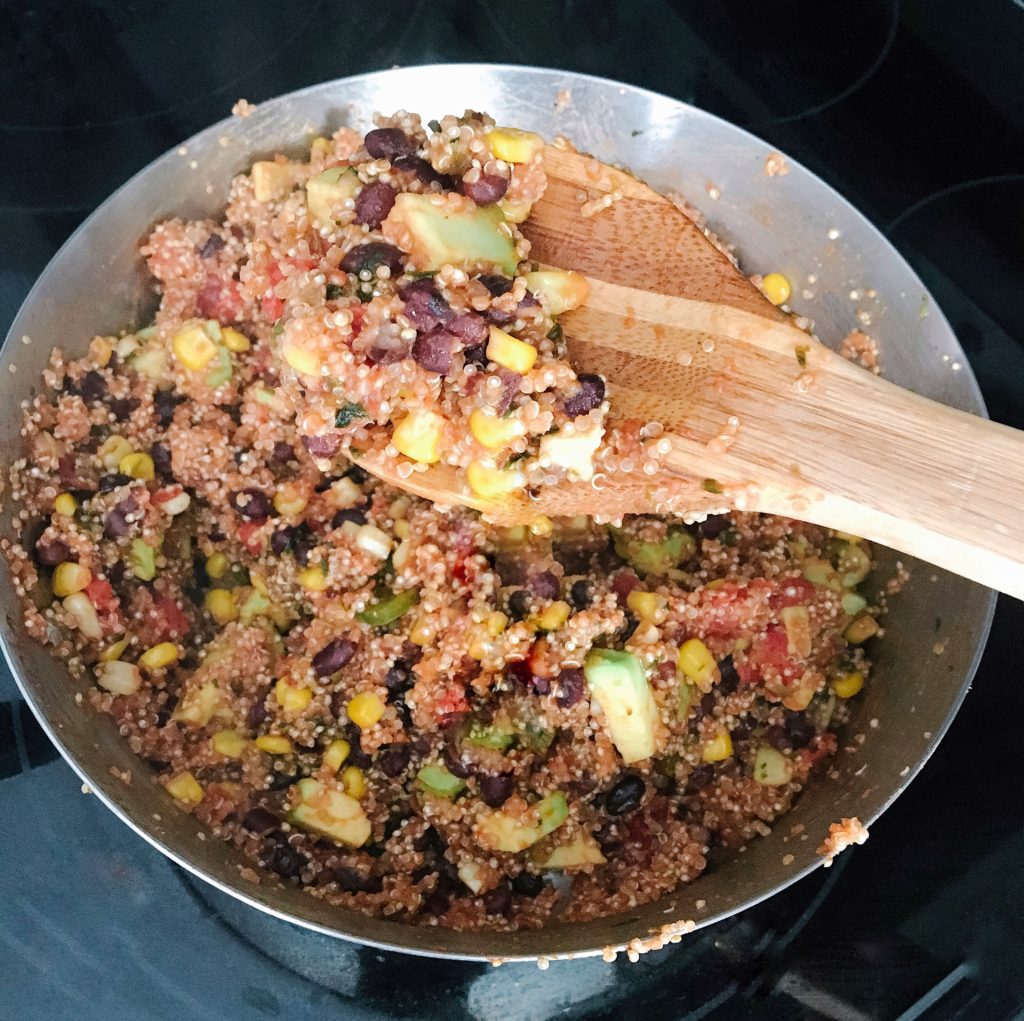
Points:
[[470, 328], [213, 244], [164, 403], [707, 704], [663, 784], [261, 822], [626, 796], [358, 475], [394, 759], [122, 407], [713, 526], [281, 541], [436, 903], [424, 306], [353, 880], [571, 685], [519, 604], [108, 483], [398, 677], [93, 387], [526, 884], [374, 203], [730, 679], [371, 255], [497, 285], [333, 656], [161, 460], [431, 842], [253, 504], [630, 624], [454, 764], [286, 861], [52, 553], [800, 729], [116, 524], [589, 395], [433, 351], [322, 446], [778, 737], [423, 170], [280, 781], [509, 390], [545, 585], [283, 452], [388, 143], [67, 469], [700, 777], [353, 514], [742, 730], [257, 713], [581, 593], [486, 189], [496, 788], [518, 674], [499, 900], [356, 757]]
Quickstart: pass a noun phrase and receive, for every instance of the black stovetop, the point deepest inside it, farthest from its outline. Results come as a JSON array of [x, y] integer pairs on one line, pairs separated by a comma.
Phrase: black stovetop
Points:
[[914, 111]]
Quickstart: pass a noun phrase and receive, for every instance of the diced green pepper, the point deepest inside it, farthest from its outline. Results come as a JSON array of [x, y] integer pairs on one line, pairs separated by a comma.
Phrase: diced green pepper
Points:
[[492, 736], [349, 412], [222, 368], [853, 603], [387, 610], [437, 780], [852, 562], [143, 560]]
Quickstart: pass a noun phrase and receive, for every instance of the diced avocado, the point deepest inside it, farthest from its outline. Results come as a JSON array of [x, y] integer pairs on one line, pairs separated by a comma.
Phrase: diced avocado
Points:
[[220, 371], [853, 603], [470, 874], [655, 558], [771, 767], [501, 832], [821, 572], [437, 780], [328, 191], [535, 738], [467, 239], [583, 850], [143, 560], [387, 610], [151, 362], [331, 813], [619, 685], [199, 704], [256, 604], [496, 735], [852, 562], [797, 622], [563, 290]]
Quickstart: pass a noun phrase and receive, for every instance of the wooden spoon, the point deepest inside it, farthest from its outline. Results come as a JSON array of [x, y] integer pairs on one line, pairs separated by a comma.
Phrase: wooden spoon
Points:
[[757, 415]]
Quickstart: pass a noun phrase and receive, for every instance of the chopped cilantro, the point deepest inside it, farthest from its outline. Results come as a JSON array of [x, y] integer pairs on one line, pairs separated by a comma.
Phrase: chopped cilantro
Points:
[[278, 327], [334, 291], [434, 125], [712, 486], [556, 333], [801, 355], [348, 413]]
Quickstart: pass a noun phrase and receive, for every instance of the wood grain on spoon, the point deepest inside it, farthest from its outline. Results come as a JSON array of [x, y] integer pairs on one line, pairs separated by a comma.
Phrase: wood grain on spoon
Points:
[[750, 404]]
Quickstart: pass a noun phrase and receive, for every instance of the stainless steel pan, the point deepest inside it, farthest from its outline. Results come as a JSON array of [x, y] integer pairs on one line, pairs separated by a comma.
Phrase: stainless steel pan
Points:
[[794, 224]]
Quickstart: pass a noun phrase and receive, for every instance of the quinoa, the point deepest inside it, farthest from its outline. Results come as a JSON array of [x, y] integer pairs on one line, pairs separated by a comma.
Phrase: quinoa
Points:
[[405, 710]]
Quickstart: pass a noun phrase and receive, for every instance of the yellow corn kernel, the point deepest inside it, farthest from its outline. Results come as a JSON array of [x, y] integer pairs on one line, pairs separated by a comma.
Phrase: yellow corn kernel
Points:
[[422, 632], [337, 752], [489, 482], [510, 352], [861, 630], [313, 578], [718, 748], [185, 788], [553, 616], [301, 360], [495, 623], [562, 289], [229, 743], [83, 615], [233, 340], [492, 431], [847, 685], [221, 604], [695, 660], [100, 350], [542, 526], [291, 697], [419, 435], [776, 288], [402, 529], [515, 212], [137, 466], [65, 504], [646, 605], [321, 144], [365, 709], [69, 578], [290, 499], [216, 565], [193, 348], [354, 782], [159, 657], [271, 180], [112, 450], [115, 650], [513, 145], [273, 744]]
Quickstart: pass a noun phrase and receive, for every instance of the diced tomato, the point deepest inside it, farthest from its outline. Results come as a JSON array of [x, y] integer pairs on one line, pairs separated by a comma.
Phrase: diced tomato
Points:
[[252, 541], [220, 299], [101, 595], [272, 307], [823, 748], [792, 592], [170, 621], [166, 493], [623, 583], [734, 609], [770, 653], [274, 274], [358, 312], [452, 701]]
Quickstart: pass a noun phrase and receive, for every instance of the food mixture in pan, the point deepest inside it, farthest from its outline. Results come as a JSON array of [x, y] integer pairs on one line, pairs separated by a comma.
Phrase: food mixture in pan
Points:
[[404, 710]]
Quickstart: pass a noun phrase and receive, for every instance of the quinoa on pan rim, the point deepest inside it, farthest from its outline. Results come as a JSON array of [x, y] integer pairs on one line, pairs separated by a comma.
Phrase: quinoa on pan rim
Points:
[[403, 710]]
